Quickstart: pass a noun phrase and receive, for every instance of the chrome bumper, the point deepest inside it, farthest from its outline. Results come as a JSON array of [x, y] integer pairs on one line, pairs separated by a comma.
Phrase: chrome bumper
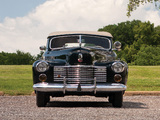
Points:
[[53, 87]]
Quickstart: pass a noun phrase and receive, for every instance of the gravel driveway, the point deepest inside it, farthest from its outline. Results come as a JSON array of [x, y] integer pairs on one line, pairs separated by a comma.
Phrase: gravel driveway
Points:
[[79, 108]]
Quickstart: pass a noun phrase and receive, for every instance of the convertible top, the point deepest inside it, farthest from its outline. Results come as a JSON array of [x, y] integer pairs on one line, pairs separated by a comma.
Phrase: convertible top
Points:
[[107, 34]]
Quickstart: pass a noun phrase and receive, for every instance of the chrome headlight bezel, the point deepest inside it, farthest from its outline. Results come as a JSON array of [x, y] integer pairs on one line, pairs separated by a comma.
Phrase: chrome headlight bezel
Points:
[[117, 67], [42, 66]]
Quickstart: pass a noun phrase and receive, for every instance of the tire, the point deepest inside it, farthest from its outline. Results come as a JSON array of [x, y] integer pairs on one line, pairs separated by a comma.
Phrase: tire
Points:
[[47, 98], [41, 100], [110, 99], [117, 99]]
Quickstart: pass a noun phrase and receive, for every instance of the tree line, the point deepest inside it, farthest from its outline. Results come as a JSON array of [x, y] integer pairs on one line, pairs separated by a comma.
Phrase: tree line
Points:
[[140, 41], [18, 58]]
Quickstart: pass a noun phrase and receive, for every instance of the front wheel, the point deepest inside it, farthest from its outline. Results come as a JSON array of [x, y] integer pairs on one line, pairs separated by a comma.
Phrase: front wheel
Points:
[[117, 99], [41, 100], [110, 99]]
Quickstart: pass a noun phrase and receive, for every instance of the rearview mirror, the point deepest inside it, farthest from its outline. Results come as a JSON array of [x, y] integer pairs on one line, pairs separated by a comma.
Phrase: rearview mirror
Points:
[[42, 47]]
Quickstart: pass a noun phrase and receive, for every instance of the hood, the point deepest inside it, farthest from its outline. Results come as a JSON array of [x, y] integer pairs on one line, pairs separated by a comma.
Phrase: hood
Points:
[[79, 56]]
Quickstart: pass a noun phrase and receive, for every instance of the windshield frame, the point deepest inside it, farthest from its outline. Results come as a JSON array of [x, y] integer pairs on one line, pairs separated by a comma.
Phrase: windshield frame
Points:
[[80, 42]]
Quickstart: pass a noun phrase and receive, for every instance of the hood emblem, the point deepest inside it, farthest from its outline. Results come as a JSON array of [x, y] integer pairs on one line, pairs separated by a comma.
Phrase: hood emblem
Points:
[[80, 57]]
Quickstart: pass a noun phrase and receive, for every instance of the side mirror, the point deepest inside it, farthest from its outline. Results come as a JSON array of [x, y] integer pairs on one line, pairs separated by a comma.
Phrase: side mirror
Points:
[[117, 45], [42, 47]]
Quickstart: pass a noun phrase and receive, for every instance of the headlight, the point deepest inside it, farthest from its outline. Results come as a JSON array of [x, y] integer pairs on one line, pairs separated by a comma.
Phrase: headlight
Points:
[[117, 67], [42, 66]]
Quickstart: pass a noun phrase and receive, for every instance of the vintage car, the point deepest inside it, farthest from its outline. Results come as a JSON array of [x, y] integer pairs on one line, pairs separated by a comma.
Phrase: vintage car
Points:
[[80, 63]]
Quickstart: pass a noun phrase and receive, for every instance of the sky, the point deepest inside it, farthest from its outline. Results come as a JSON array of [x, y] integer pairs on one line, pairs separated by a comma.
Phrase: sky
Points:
[[25, 24]]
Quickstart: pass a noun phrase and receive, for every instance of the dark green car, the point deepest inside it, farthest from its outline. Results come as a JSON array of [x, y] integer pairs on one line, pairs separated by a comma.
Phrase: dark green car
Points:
[[80, 63]]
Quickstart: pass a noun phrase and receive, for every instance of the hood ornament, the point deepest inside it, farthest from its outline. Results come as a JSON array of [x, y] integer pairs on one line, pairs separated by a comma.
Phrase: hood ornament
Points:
[[80, 57]]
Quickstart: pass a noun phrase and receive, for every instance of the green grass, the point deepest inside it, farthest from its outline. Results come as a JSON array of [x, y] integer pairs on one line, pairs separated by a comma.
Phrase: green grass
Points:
[[144, 78], [17, 79]]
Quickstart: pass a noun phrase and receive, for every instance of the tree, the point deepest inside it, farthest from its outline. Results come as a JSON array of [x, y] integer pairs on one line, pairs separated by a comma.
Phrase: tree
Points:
[[18, 58], [157, 30], [122, 32], [133, 35], [148, 55], [39, 56], [144, 33], [133, 4]]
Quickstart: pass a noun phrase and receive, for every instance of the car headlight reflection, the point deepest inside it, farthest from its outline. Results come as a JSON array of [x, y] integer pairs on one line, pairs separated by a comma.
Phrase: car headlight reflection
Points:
[[117, 67], [42, 66]]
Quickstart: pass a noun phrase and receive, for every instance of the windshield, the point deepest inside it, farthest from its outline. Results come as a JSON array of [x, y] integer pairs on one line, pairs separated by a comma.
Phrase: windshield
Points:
[[79, 41]]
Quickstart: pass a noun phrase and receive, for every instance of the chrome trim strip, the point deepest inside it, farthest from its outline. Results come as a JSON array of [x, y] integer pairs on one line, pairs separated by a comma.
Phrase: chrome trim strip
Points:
[[64, 85], [98, 87], [81, 66], [80, 40]]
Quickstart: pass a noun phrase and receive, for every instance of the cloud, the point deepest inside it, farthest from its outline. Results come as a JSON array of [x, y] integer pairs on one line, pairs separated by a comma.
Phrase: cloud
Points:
[[29, 32], [154, 17]]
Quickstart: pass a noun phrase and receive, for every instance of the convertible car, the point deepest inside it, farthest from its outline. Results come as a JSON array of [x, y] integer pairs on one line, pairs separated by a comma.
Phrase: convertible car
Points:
[[80, 63]]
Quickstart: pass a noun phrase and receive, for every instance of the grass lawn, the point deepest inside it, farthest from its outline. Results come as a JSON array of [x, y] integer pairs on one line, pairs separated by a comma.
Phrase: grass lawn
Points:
[[17, 79], [144, 78]]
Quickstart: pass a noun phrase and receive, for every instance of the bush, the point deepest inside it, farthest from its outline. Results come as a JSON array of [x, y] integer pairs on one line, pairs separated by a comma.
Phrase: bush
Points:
[[148, 55]]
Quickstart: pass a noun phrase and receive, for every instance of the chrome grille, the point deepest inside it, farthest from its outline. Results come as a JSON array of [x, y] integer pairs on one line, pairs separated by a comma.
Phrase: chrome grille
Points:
[[80, 74], [100, 73]]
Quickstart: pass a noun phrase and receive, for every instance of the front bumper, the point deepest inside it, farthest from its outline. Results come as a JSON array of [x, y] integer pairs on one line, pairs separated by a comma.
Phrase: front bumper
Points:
[[99, 87]]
